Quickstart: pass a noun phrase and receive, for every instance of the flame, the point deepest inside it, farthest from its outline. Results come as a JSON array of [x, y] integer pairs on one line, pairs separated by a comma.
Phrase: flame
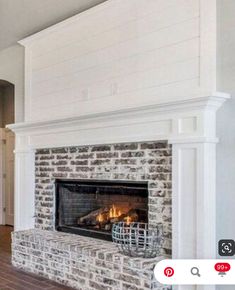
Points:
[[100, 218], [114, 212]]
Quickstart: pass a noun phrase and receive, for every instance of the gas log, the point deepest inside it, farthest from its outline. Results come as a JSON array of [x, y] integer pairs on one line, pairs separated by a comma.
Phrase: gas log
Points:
[[104, 217], [91, 217]]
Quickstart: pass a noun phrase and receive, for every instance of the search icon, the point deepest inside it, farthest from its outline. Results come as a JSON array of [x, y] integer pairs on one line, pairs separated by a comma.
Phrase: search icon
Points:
[[195, 271]]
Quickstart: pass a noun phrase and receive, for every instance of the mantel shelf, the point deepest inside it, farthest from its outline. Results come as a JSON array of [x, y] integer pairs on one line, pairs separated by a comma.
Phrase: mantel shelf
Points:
[[199, 103]]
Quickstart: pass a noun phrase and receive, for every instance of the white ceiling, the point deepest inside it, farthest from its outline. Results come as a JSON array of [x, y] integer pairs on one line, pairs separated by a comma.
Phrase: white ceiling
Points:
[[21, 18]]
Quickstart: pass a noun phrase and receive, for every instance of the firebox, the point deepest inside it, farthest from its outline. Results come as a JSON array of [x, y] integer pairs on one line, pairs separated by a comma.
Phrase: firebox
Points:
[[91, 207]]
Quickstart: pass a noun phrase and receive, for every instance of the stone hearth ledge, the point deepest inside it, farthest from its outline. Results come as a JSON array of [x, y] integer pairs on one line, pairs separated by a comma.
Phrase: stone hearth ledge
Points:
[[81, 262]]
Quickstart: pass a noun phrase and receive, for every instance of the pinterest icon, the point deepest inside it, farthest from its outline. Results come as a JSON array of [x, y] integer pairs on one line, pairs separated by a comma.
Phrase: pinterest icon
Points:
[[169, 272]]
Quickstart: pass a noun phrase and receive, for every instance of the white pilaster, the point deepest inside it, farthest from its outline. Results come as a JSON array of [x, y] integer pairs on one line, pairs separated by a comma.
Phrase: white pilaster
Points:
[[194, 203], [24, 188]]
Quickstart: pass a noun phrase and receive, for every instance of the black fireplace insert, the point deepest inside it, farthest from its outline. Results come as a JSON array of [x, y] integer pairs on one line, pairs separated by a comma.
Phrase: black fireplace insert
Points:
[[90, 207]]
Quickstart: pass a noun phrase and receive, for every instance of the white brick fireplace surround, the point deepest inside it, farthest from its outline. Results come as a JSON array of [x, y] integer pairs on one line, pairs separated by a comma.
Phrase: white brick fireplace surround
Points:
[[188, 125], [127, 72]]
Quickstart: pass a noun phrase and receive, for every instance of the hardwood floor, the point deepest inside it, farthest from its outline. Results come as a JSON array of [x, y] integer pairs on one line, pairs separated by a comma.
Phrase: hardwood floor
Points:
[[12, 279]]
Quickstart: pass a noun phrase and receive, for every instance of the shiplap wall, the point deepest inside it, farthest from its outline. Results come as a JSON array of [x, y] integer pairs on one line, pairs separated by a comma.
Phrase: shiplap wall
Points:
[[117, 55]]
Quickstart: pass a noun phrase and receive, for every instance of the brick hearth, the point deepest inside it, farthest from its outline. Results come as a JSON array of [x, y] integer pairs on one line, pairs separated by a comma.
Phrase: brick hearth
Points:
[[81, 262]]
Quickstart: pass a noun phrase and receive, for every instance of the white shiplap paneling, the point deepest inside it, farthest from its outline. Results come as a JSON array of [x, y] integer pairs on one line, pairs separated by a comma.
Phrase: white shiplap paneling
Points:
[[124, 19], [135, 31], [116, 55]]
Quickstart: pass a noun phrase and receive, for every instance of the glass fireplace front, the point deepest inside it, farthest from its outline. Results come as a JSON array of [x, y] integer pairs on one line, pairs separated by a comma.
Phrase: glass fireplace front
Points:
[[90, 207]]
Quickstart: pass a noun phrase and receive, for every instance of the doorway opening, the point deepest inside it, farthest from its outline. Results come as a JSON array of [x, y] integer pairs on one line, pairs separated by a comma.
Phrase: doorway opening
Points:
[[7, 145]]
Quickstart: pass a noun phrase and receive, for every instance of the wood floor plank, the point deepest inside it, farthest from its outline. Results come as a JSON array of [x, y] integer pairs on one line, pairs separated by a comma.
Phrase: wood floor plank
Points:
[[13, 279], [21, 276]]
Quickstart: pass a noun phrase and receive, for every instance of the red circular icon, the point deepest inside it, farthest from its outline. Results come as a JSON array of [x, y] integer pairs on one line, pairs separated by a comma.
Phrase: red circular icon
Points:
[[169, 272], [222, 267]]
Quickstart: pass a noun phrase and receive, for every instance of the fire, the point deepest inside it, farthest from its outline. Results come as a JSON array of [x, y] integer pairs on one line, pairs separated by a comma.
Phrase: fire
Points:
[[114, 212], [100, 218]]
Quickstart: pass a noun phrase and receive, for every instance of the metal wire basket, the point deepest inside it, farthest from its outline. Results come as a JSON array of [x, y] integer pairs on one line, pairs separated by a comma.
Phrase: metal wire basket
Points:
[[137, 239]]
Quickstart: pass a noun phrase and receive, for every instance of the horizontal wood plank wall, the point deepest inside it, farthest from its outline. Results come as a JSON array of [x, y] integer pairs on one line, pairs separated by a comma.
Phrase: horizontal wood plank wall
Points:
[[117, 55]]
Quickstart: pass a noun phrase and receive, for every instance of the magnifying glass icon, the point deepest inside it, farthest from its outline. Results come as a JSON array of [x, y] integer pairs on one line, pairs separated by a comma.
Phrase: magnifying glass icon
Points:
[[195, 271]]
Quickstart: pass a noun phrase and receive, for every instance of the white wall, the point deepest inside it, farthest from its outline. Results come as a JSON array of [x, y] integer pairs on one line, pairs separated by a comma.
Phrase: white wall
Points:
[[12, 70], [120, 54], [226, 123]]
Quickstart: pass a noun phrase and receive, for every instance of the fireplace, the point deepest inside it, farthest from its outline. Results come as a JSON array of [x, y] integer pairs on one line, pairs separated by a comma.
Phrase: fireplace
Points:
[[143, 169], [90, 207]]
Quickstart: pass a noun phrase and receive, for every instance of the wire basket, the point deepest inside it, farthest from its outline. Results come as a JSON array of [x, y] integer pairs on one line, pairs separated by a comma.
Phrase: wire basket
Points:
[[137, 240]]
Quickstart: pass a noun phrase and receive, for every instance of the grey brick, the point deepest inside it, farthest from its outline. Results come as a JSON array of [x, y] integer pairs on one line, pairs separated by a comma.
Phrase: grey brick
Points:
[[149, 161]]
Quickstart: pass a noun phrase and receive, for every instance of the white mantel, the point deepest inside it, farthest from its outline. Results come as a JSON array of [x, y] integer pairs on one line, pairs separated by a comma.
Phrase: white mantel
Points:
[[177, 122]]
